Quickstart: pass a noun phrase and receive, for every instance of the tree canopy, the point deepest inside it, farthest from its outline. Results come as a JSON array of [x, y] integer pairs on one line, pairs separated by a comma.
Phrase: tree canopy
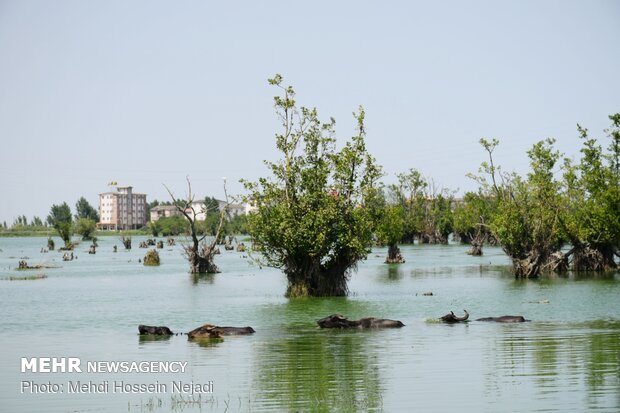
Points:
[[60, 218], [557, 204], [83, 209], [312, 217]]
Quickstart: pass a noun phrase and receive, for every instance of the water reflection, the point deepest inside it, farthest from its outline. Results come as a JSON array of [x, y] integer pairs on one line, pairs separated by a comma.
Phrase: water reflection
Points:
[[321, 370], [392, 272], [563, 361], [152, 338], [202, 278], [570, 360], [206, 342], [603, 363], [301, 367]]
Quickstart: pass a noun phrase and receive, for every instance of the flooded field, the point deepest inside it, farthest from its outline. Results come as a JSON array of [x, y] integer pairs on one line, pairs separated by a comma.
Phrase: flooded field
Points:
[[566, 359]]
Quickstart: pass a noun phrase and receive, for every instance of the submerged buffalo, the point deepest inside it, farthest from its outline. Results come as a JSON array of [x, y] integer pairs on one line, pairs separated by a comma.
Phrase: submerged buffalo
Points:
[[213, 331], [339, 321], [157, 331], [452, 318], [505, 319]]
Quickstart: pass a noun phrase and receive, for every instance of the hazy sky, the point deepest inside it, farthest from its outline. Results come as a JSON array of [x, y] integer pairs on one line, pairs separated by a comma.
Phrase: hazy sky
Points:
[[147, 92]]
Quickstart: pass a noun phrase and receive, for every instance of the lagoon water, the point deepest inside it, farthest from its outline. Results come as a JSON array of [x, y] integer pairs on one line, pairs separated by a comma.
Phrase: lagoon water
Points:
[[567, 359]]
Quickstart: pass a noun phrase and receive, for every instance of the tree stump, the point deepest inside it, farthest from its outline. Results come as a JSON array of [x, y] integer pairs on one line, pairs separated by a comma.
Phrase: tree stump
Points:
[[151, 258], [394, 256], [476, 249]]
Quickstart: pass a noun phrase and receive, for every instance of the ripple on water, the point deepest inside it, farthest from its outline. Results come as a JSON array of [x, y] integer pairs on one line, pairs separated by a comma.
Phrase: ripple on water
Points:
[[566, 359]]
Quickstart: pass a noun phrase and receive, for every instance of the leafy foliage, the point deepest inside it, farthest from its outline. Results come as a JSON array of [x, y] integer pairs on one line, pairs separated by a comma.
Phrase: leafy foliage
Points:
[[390, 230], [84, 210], [592, 190], [60, 218], [472, 216], [171, 226], [427, 210], [534, 216], [409, 193], [313, 219], [85, 227], [528, 219]]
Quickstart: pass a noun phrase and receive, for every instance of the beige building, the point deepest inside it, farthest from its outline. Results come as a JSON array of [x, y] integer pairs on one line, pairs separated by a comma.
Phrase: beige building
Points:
[[122, 209], [164, 211], [200, 209]]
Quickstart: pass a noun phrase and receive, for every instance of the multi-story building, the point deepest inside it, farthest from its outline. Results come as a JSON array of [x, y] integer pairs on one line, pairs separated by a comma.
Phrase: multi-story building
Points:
[[122, 210]]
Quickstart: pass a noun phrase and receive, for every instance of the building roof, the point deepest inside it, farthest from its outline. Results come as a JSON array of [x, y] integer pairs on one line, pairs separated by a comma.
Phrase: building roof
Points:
[[164, 208]]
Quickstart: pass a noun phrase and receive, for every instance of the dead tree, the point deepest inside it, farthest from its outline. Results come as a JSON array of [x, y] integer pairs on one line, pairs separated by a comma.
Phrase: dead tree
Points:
[[199, 253], [126, 240]]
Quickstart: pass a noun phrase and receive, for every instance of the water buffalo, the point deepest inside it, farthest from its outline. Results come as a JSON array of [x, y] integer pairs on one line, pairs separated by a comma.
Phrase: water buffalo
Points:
[[158, 331], [451, 318], [505, 319], [213, 331], [339, 321]]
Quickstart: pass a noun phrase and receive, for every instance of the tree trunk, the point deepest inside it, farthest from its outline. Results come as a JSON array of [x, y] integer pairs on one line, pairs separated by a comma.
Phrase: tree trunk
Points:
[[394, 256], [587, 258], [557, 262], [476, 245], [310, 278], [431, 238], [408, 239], [462, 238], [492, 240], [529, 266], [475, 250], [201, 262]]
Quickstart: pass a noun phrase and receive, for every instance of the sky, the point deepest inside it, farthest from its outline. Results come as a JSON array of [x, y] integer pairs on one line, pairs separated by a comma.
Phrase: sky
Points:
[[147, 93]]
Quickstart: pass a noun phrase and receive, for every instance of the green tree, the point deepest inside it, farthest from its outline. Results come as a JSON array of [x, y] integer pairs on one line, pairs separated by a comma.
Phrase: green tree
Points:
[[238, 224], [210, 224], [436, 211], [60, 218], [471, 219], [20, 221], [84, 210], [155, 227], [529, 211], [427, 210], [85, 227], [171, 226], [409, 193], [312, 219], [36, 222], [390, 231], [593, 199], [212, 205]]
